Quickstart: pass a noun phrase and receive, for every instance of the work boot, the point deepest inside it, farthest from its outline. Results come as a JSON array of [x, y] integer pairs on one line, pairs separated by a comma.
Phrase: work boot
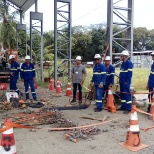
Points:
[[120, 109], [97, 110], [126, 112], [73, 101]]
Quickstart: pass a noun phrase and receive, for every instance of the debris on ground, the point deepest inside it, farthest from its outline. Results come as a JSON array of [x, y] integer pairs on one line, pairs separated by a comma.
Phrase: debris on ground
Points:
[[82, 133], [34, 118]]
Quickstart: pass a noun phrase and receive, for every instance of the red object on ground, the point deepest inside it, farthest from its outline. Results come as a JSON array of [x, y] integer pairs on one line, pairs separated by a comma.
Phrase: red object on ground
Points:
[[3, 86]]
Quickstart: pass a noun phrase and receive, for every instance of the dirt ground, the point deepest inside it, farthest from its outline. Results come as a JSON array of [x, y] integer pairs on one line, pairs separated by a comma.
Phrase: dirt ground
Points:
[[45, 142]]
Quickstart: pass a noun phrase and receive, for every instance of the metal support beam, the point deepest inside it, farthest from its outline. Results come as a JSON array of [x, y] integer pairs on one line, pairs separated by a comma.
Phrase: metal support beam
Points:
[[36, 40], [62, 35], [21, 35], [21, 11], [123, 22], [36, 5]]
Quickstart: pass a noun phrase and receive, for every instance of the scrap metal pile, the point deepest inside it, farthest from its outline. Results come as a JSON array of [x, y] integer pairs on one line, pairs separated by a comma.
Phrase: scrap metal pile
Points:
[[82, 133], [33, 118]]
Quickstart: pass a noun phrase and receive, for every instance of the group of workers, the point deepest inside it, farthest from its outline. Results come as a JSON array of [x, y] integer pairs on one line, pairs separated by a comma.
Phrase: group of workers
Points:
[[27, 75], [103, 79]]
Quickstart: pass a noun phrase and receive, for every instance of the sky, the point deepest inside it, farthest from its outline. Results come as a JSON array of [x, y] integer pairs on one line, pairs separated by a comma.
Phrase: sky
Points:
[[96, 11]]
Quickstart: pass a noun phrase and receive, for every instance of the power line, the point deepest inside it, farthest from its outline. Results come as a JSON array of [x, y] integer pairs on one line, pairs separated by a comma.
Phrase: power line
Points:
[[89, 12]]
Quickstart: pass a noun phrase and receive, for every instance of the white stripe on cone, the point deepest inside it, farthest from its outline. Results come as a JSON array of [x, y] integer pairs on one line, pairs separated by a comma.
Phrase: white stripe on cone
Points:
[[133, 116], [9, 131], [68, 88], [134, 128], [110, 92], [12, 150]]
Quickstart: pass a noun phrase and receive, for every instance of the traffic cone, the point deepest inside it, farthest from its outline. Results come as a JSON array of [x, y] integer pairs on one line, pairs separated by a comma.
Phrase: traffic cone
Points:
[[110, 100], [58, 88], [8, 145], [133, 141], [68, 90], [35, 85], [152, 107], [51, 85]]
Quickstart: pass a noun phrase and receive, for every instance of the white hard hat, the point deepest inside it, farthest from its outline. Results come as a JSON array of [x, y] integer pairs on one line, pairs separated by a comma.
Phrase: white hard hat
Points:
[[27, 57], [97, 56], [108, 58], [152, 53], [78, 58], [125, 53], [11, 57]]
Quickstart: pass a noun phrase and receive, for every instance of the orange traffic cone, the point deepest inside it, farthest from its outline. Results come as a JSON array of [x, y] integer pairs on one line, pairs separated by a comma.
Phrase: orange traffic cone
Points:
[[7, 141], [51, 85], [58, 88], [152, 107], [68, 90], [35, 85], [133, 141], [110, 100]]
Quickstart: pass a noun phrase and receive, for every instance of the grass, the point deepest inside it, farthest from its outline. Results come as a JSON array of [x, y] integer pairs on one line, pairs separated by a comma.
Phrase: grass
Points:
[[139, 80]]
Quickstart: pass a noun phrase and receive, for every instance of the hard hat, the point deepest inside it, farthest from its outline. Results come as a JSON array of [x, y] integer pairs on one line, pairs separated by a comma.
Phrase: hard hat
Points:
[[11, 57], [27, 57], [78, 58], [108, 58], [125, 53], [152, 53], [97, 56]]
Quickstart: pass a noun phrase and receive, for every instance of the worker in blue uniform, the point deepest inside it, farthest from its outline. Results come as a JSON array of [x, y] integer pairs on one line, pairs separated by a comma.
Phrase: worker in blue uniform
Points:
[[150, 85], [28, 75], [110, 72], [98, 79], [125, 78], [14, 74]]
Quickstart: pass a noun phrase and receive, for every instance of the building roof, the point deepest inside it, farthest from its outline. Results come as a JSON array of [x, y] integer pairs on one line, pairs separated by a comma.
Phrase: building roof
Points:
[[23, 4]]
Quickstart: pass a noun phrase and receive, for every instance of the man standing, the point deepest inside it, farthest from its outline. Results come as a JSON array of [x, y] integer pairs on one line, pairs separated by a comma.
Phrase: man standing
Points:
[[98, 78], [78, 77], [125, 82], [150, 85], [110, 71], [14, 74], [27, 75]]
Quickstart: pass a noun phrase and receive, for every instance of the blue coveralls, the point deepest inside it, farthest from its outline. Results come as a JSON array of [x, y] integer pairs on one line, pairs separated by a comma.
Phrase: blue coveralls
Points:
[[15, 69], [28, 73], [99, 75], [110, 71], [125, 82], [151, 84]]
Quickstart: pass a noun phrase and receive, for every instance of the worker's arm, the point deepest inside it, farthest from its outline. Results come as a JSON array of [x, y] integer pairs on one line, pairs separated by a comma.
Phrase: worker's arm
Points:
[[33, 71], [103, 74], [21, 72], [112, 76], [17, 69], [129, 73]]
